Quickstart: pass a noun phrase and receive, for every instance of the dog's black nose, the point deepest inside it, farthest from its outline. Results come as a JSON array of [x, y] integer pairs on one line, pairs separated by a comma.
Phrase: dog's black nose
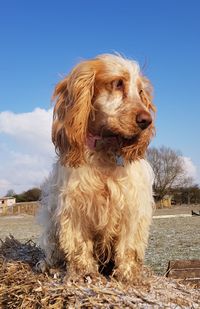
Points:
[[143, 119]]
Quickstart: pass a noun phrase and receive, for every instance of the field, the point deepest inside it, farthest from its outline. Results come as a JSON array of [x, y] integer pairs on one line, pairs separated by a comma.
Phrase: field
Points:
[[170, 238]]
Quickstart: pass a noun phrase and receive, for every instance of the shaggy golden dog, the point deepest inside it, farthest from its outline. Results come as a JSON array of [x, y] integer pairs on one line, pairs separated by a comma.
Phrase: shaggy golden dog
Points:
[[97, 203]]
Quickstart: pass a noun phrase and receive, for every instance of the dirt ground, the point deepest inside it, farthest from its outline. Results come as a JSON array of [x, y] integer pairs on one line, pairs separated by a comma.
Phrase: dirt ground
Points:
[[170, 238]]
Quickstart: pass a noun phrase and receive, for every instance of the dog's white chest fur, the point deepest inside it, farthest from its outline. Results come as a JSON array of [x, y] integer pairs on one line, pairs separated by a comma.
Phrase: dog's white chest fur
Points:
[[104, 200]]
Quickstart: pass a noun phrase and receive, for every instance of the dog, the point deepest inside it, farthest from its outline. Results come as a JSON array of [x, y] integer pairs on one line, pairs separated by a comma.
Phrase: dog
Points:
[[97, 203]]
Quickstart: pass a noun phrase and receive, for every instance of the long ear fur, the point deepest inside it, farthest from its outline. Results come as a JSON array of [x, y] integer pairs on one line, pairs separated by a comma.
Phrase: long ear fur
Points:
[[73, 97], [138, 149]]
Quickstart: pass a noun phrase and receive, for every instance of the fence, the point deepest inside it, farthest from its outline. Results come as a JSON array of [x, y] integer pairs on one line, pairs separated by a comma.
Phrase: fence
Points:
[[29, 208]]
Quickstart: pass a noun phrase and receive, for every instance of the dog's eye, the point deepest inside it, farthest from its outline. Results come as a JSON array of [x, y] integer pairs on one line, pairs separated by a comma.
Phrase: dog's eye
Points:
[[140, 92], [118, 84]]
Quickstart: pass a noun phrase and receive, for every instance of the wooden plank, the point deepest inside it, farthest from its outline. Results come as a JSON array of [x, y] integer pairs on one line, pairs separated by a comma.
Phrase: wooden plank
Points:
[[186, 270], [189, 273], [182, 264]]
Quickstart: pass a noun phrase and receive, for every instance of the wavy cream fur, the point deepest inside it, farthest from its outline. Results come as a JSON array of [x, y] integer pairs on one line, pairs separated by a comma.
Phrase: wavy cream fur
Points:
[[80, 216], [94, 211]]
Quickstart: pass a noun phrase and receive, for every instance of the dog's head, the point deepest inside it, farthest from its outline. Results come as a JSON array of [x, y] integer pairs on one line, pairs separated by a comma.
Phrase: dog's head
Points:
[[103, 97]]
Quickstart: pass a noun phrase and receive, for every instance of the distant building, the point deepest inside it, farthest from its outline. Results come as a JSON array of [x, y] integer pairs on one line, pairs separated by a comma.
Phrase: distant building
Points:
[[6, 202]]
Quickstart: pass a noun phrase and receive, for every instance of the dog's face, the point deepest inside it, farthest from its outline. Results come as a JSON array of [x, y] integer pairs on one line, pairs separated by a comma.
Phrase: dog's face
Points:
[[103, 97]]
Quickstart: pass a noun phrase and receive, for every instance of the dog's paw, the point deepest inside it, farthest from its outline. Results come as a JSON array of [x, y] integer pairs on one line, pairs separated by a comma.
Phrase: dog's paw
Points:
[[84, 277], [128, 274], [42, 266]]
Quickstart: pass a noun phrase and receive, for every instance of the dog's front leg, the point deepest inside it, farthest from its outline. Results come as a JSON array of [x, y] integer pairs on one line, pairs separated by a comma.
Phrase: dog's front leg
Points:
[[128, 266], [78, 248], [130, 250]]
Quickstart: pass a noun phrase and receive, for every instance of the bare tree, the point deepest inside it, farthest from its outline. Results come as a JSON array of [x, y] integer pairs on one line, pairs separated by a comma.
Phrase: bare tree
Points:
[[169, 170]]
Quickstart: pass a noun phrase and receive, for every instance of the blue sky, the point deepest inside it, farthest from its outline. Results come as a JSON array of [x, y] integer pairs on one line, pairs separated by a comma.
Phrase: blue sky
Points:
[[41, 40]]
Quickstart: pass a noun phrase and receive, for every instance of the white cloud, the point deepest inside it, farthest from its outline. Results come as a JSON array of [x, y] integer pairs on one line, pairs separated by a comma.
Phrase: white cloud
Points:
[[31, 128], [190, 168], [26, 151]]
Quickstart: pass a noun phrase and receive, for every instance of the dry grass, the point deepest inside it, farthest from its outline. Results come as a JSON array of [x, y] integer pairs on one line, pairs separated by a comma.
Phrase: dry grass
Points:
[[22, 287]]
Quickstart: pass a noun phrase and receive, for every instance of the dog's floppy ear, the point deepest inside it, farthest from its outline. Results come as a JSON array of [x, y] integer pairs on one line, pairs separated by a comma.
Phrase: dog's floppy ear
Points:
[[73, 97]]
